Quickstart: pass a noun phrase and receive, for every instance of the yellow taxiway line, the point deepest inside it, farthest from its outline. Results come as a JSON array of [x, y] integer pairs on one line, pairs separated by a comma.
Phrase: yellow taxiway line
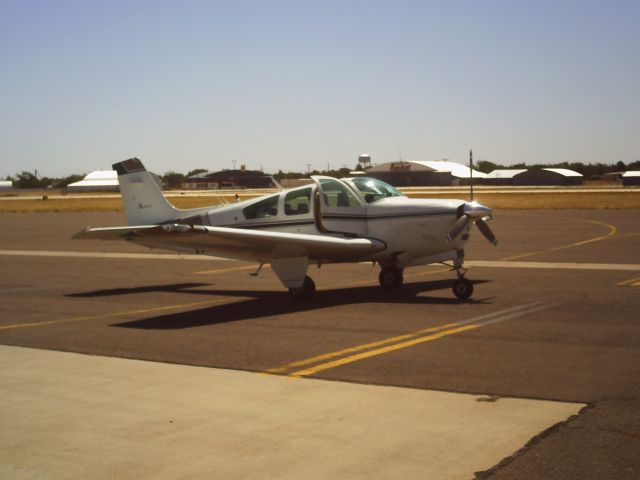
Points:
[[634, 282], [372, 353], [612, 232], [369, 350]]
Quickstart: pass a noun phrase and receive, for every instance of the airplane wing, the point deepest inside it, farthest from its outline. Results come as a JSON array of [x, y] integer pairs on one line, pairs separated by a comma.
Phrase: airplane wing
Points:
[[239, 243]]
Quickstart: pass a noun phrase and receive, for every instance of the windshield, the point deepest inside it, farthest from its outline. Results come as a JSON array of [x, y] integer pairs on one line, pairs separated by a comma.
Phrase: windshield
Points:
[[373, 189]]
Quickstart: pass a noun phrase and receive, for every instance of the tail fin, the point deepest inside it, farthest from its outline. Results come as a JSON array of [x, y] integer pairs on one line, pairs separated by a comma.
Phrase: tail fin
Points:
[[143, 201]]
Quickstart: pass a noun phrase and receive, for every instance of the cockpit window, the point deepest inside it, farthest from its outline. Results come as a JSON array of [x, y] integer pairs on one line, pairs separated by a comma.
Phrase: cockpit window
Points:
[[373, 189], [262, 209], [336, 194], [298, 202]]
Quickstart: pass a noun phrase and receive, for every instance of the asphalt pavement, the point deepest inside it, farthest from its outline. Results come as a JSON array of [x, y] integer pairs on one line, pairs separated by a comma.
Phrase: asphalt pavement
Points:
[[554, 318]]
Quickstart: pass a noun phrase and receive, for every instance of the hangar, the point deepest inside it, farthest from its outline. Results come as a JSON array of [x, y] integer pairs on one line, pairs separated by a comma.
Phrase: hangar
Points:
[[230, 179], [631, 178], [98, 180], [102, 180], [612, 177], [502, 176], [425, 173], [548, 176]]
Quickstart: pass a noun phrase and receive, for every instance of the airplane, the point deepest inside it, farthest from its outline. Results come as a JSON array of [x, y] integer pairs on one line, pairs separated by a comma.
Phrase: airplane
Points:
[[359, 219]]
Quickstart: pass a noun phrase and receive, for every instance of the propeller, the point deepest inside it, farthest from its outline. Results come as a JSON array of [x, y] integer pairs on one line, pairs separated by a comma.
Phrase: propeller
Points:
[[457, 228], [472, 212], [486, 231]]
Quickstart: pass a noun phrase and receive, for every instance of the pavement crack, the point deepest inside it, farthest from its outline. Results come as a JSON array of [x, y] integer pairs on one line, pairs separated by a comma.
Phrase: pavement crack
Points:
[[532, 443]]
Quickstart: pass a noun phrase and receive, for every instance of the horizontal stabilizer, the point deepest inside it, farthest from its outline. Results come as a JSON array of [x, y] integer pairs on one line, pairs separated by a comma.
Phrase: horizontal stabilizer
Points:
[[112, 233]]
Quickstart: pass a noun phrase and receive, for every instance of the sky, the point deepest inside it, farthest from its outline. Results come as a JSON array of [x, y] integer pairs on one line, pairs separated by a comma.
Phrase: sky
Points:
[[281, 84]]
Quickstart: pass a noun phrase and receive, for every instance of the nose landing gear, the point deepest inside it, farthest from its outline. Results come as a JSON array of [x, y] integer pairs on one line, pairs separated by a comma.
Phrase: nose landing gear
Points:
[[462, 288]]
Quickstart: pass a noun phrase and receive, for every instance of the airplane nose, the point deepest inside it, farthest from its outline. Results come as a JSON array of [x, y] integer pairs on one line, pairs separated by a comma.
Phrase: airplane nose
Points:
[[476, 210]]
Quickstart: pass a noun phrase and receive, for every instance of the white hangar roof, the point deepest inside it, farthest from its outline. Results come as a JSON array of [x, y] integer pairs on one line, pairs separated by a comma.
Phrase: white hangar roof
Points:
[[505, 173], [564, 172], [456, 169], [100, 179]]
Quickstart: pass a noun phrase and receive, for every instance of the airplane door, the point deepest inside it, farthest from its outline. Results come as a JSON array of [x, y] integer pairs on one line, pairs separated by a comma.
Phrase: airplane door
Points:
[[337, 208]]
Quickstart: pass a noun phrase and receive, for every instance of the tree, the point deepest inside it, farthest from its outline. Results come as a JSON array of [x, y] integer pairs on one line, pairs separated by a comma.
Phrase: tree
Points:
[[196, 172], [634, 165], [486, 166], [173, 179], [29, 180], [63, 182]]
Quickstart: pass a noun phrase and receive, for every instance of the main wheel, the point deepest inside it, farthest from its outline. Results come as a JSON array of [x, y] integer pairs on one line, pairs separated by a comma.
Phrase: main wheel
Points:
[[462, 288], [390, 277], [304, 293]]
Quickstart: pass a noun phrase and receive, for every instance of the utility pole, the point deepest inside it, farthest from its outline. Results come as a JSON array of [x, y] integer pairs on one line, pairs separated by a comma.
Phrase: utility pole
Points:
[[471, 172]]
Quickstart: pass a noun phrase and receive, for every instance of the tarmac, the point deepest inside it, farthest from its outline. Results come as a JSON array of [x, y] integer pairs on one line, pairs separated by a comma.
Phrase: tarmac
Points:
[[537, 377]]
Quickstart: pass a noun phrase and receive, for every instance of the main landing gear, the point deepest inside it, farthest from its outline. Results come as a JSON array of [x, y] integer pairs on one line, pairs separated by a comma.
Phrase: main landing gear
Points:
[[304, 293], [390, 277]]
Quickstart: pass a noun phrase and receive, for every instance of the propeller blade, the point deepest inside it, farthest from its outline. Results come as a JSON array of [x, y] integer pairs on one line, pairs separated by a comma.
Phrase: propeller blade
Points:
[[457, 228], [486, 231]]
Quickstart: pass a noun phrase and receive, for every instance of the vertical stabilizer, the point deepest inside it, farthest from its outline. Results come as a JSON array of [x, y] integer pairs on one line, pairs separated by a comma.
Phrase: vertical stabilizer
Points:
[[143, 201]]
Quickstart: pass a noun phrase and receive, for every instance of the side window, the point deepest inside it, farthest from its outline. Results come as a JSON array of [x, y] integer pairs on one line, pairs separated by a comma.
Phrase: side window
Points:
[[335, 194], [298, 202], [263, 209]]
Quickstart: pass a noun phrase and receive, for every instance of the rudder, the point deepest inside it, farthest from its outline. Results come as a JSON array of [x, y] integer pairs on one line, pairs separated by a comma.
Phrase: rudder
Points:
[[142, 199]]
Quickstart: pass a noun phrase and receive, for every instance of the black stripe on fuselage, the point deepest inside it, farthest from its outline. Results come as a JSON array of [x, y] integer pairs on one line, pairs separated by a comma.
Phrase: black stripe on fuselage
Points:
[[285, 223]]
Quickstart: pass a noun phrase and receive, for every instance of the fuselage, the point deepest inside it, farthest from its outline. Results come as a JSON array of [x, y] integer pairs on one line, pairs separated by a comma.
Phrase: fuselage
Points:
[[413, 230]]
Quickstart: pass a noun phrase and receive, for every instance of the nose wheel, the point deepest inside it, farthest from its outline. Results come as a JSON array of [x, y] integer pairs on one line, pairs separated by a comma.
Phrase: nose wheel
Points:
[[462, 288]]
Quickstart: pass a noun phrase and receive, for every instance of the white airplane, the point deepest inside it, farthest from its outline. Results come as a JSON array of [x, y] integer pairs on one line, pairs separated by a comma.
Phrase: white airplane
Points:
[[357, 219]]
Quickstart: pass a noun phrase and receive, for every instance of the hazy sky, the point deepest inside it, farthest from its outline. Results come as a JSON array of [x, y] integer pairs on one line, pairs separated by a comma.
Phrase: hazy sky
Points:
[[279, 84]]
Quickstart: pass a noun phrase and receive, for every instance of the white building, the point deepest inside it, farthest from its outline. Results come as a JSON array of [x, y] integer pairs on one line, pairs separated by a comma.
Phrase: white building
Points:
[[503, 176], [98, 180], [424, 172], [631, 178]]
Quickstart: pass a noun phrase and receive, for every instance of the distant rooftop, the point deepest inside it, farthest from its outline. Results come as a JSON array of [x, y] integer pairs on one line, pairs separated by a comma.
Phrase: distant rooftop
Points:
[[505, 173], [100, 179], [456, 169], [564, 171]]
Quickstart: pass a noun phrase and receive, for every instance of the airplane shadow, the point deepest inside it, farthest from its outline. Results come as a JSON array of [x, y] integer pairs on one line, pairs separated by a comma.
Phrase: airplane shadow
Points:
[[175, 287], [270, 303]]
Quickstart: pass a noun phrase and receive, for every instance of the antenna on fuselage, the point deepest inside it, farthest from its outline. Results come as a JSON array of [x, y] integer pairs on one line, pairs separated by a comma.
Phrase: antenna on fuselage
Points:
[[471, 172]]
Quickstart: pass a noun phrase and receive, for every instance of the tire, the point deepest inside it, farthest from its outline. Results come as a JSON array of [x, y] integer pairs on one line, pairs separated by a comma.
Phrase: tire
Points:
[[462, 288], [390, 277], [304, 293]]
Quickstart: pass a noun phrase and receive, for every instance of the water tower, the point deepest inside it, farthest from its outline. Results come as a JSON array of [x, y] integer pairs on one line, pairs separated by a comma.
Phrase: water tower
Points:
[[364, 161]]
